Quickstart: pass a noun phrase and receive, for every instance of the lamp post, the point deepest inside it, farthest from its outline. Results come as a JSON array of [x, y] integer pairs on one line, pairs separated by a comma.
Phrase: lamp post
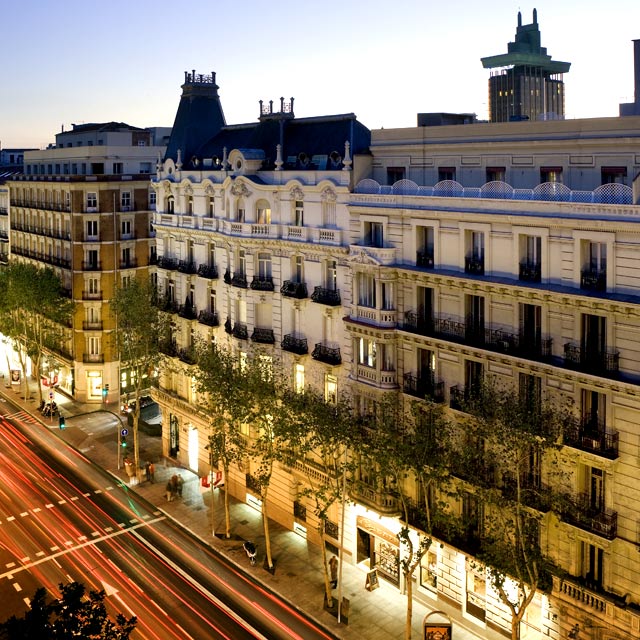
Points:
[[341, 550]]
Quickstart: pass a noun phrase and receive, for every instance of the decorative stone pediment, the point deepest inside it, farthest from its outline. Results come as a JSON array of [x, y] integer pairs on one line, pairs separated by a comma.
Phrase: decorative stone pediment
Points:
[[359, 255], [297, 193], [240, 189], [328, 195]]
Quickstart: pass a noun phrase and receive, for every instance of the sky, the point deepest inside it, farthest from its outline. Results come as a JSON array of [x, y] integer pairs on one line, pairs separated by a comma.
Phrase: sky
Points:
[[80, 61]]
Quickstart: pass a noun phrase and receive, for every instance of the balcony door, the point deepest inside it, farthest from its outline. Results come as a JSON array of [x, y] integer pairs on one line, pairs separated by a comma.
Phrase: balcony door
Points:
[[475, 318], [531, 327], [594, 337], [592, 560]]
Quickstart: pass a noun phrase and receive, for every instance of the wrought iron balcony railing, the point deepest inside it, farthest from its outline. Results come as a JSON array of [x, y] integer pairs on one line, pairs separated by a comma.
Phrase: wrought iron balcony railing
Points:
[[474, 265], [263, 336], [583, 512], [185, 266], [424, 259], [240, 331], [593, 279], [293, 289], [239, 280], [292, 343], [600, 362], [326, 354], [591, 435], [424, 386], [530, 272], [167, 263], [208, 318], [329, 297], [208, 271], [262, 283]]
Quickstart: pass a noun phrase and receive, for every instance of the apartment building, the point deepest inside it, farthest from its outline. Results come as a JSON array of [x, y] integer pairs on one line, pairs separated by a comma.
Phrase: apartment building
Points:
[[83, 207]]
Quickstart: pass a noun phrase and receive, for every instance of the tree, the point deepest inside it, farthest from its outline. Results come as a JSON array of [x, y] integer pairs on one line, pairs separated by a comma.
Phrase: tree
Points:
[[73, 615], [140, 329], [519, 432], [326, 451], [225, 400], [414, 445], [36, 313]]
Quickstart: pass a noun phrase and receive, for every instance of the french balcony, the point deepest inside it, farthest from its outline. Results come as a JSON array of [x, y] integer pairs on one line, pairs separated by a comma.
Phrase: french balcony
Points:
[[598, 362], [168, 348], [95, 325], [292, 289], [185, 266], [591, 435], [227, 326], [92, 358], [131, 263], [326, 354], [424, 259], [583, 512], [593, 279], [187, 311], [240, 331], [322, 295], [208, 271], [188, 355], [474, 265], [167, 263], [294, 344], [380, 501], [262, 283], [530, 272], [239, 280], [424, 387], [208, 318], [263, 336], [91, 266], [530, 491], [167, 305], [92, 295], [458, 396]]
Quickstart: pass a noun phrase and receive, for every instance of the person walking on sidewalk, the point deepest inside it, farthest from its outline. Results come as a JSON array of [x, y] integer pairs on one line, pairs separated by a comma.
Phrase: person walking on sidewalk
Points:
[[170, 490], [152, 472], [179, 483], [147, 473], [333, 568]]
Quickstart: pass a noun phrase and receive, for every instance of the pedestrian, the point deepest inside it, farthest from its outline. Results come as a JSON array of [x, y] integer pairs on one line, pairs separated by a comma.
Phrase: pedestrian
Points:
[[179, 483], [152, 472], [333, 568], [169, 490], [174, 486], [147, 473]]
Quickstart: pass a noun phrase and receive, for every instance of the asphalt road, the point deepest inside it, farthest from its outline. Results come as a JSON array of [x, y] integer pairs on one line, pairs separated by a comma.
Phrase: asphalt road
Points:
[[62, 519]]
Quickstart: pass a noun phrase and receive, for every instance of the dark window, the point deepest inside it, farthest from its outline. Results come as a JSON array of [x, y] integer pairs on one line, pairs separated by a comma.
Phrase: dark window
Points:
[[610, 175], [550, 174], [446, 173], [496, 174], [394, 174]]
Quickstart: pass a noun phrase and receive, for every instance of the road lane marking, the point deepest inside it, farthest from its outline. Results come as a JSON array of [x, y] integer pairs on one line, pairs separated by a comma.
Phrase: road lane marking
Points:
[[17, 587]]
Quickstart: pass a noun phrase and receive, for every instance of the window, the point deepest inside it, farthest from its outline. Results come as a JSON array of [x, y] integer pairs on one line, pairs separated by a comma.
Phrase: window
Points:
[[91, 259], [594, 271], [530, 258], [92, 230], [594, 338], [530, 389], [531, 329], [92, 201], [145, 167], [93, 286], [126, 281], [298, 213], [373, 234], [387, 294], [213, 302], [171, 291], [594, 408], [395, 174], [496, 174], [298, 378], [189, 205], [211, 206], [242, 263], [117, 168], [126, 257], [152, 200], [240, 214], [473, 377], [212, 254], [125, 200], [330, 389], [297, 271], [475, 318], [613, 175], [125, 228], [263, 212], [474, 261], [94, 346], [446, 173], [331, 275], [551, 174], [366, 290], [264, 266], [366, 352], [171, 204], [592, 564]]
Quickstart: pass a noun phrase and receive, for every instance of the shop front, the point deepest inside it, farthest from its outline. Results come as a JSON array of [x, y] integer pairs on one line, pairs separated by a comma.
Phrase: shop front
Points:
[[378, 548]]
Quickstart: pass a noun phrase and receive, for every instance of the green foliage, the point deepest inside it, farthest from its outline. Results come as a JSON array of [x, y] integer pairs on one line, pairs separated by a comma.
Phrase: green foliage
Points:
[[74, 615]]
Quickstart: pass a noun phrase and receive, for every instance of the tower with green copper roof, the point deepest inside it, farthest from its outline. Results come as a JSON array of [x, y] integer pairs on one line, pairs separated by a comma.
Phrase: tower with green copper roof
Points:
[[525, 83]]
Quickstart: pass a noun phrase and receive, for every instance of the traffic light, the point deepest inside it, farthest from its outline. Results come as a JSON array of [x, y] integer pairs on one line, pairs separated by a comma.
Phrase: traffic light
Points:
[[61, 423], [106, 387], [123, 444]]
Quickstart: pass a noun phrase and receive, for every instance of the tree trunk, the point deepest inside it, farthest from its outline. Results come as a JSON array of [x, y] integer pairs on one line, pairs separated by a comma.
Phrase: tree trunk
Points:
[[325, 565], [265, 527], [227, 511], [409, 585]]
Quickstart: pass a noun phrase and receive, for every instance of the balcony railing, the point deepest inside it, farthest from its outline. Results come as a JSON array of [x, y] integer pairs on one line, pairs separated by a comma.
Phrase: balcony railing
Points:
[[530, 272], [474, 265], [208, 271], [131, 263], [227, 325], [326, 354], [424, 387], [329, 297], [208, 318], [187, 311], [263, 336], [533, 492], [92, 295], [262, 283], [293, 289], [292, 343], [185, 266], [588, 360], [583, 513], [91, 266], [95, 325], [239, 280], [240, 331], [92, 358], [424, 259], [383, 502], [590, 435], [167, 263], [593, 279], [188, 355]]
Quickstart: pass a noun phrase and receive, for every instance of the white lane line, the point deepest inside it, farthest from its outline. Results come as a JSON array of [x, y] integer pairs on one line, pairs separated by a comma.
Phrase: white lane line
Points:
[[17, 587]]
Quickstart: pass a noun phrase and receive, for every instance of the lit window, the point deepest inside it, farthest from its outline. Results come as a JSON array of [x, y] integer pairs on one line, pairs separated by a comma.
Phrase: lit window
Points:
[[330, 389], [299, 378]]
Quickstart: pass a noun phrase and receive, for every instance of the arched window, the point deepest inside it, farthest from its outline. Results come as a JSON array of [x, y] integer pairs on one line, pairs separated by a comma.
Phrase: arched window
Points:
[[263, 212]]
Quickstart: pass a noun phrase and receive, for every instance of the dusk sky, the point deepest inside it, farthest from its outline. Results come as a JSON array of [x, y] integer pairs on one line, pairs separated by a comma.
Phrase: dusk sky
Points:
[[79, 61]]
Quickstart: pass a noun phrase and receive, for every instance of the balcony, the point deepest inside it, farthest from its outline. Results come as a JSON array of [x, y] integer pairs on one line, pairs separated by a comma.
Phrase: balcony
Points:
[[167, 263], [240, 331], [131, 263], [186, 266], [474, 265], [187, 311], [263, 336], [95, 325], [208, 271], [92, 295], [384, 378], [583, 512], [382, 502], [169, 348], [326, 354], [239, 280], [424, 387], [292, 289], [296, 345], [591, 435], [330, 297], [91, 266], [530, 272], [208, 318], [378, 317], [92, 358], [424, 259], [227, 326], [533, 493], [598, 362], [593, 279], [458, 397], [188, 355], [167, 305], [262, 283]]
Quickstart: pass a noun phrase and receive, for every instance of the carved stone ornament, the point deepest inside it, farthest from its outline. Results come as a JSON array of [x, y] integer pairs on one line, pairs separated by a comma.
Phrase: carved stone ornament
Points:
[[240, 189], [188, 190], [209, 191], [167, 188], [361, 257], [297, 193], [328, 195]]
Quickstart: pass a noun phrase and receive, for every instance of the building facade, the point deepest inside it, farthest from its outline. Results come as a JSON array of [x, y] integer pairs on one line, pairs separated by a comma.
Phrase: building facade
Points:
[[83, 207]]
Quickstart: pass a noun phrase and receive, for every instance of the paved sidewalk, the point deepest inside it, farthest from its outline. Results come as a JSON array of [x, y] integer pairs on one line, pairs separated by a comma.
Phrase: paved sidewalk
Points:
[[376, 615]]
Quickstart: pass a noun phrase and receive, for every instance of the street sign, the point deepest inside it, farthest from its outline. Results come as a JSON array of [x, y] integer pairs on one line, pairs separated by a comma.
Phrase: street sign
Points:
[[124, 432]]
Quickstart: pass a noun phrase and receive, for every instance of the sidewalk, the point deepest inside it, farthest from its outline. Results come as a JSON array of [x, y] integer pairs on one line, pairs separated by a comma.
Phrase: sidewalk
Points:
[[376, 615]]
